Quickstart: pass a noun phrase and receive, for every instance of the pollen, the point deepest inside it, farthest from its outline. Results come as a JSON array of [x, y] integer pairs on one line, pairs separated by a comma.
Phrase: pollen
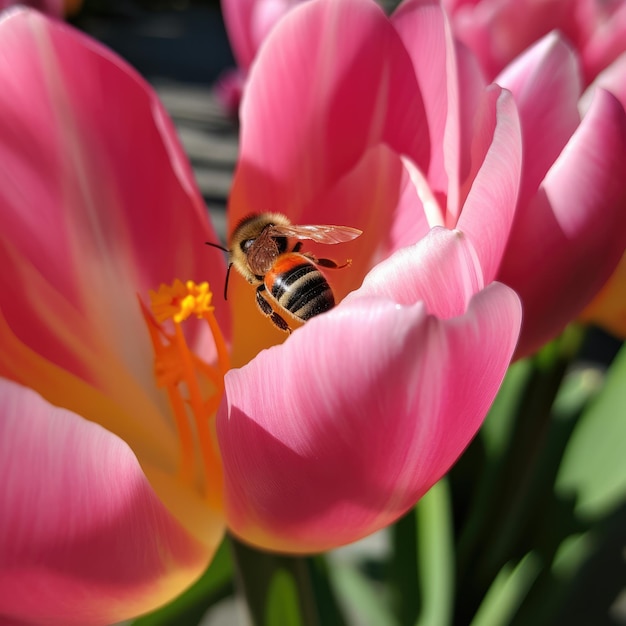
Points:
[[180, 300], [194, 385]]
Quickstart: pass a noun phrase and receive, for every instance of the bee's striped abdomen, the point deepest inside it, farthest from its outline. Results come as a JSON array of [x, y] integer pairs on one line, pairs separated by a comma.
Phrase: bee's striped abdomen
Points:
[[298, 286]]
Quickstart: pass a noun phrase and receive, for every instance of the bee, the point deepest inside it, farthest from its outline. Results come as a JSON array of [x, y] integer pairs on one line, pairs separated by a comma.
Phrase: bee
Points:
[[286, 278]]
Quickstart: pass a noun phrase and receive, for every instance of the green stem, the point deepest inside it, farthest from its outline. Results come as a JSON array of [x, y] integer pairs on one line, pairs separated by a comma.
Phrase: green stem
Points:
[[277, 588], [435, 541]]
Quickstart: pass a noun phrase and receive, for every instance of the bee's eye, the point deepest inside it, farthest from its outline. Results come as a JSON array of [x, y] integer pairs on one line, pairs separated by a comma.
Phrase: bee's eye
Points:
[[246, 244]]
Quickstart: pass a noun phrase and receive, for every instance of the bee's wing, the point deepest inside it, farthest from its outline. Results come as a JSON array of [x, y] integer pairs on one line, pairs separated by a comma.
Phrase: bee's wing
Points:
[[320, 233]]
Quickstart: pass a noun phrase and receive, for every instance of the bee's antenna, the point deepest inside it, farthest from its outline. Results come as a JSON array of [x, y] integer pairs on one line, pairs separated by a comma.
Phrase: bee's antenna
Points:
[[226, 283], [217, 245]]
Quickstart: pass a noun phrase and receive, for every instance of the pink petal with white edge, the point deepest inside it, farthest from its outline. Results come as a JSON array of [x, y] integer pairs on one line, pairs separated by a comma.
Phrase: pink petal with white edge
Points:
[[83, 538], [546, 84], [341, 429], [567, 242], [445, 293], [489, 207], [319, 96]]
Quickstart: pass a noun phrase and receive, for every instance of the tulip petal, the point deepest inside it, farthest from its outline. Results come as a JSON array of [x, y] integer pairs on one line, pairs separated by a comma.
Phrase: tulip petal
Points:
[[383, 399], [87, 541], [319, 96], [97, 206], [606, 40], [97, 201], [377, 197], [489, 208], [426, 35], [546, 84], [445, 293], [451, 86], [569, 239], [613, 79]]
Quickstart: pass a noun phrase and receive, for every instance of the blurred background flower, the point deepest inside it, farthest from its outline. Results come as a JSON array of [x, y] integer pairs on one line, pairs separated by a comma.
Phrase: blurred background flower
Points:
[[248, 23], [497, 31]]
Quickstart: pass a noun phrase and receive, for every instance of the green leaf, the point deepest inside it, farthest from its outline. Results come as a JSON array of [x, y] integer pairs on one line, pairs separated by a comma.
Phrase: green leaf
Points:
[[498, 426], [572, 554], [282, 602], [594, 464], [507, 592]]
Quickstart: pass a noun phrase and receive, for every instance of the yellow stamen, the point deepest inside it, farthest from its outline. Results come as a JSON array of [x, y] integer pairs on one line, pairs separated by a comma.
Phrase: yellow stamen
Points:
[[194, 387], [179, 301]]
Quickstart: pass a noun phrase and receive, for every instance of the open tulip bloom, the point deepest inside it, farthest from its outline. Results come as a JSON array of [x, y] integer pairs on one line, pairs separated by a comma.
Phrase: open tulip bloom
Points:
[[571, 197], [140, 415]]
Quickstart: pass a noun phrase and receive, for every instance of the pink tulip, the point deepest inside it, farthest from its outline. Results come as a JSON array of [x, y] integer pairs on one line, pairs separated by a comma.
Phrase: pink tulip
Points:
[[84, 537], [497, 31], [393, 139], [102, 462], [570, 226]]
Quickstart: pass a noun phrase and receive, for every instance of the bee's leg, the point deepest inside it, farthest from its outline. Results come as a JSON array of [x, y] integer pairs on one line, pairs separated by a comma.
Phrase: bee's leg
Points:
[[266, 309], [297, 247], [330, 264]]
